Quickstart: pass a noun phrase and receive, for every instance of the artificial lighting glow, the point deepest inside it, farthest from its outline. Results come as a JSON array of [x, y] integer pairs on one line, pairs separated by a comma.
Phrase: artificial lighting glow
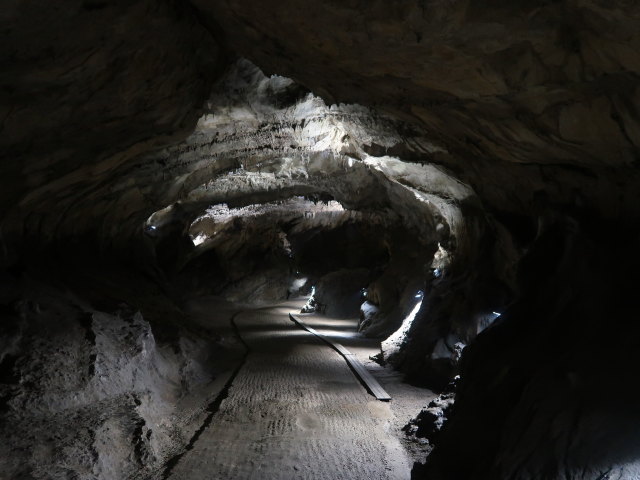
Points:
[[486, 320], [298, 283], [310, 306], [150, 230], [398, 336], [199, 239], [441, 260]]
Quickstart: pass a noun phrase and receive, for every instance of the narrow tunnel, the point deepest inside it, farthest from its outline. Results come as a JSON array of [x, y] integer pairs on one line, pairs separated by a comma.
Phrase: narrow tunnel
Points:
[[330, 240]]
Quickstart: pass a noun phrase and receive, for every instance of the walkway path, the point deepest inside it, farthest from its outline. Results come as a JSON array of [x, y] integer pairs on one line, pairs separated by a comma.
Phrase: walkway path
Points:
[[294, 411]]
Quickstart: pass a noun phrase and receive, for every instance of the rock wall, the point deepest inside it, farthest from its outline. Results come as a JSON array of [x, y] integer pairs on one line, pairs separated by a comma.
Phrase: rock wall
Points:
[[544, 391], [87, 86], [91, 387], [504, 135]]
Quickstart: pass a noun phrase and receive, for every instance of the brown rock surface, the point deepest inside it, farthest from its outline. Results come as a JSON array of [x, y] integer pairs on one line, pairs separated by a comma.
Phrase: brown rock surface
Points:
[[502, 135], [524, 96], [85, 86]]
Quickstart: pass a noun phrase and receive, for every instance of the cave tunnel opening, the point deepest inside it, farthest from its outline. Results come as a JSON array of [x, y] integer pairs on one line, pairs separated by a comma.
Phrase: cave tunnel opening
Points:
[[444, 197]]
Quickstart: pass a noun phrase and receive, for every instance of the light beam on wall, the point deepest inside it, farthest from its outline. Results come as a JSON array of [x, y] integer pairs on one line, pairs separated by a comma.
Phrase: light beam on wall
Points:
[[395, 339]]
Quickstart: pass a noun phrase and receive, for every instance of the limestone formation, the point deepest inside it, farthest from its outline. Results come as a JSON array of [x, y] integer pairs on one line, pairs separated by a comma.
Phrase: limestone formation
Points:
[[461, 175]]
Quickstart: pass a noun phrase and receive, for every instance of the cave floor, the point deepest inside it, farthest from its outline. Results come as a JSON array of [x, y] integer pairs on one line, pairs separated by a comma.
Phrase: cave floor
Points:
[[295, 409]]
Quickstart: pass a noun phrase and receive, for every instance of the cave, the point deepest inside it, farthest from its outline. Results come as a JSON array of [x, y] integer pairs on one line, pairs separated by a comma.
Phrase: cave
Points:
[[319, 240]]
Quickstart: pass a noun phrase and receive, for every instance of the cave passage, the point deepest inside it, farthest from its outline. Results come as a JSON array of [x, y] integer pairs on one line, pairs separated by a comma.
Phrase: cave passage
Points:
[[451, 190], [295, 410]]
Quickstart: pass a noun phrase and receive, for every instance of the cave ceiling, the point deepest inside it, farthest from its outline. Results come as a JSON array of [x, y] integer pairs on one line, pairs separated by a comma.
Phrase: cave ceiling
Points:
[[521, 102]]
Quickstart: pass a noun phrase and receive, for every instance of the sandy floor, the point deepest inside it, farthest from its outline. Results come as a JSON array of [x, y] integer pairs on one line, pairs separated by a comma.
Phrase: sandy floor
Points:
[[407, 400], [296, 411]]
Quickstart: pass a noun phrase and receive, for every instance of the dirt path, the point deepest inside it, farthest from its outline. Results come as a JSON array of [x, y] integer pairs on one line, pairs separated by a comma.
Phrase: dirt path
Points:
[[294, 411]]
